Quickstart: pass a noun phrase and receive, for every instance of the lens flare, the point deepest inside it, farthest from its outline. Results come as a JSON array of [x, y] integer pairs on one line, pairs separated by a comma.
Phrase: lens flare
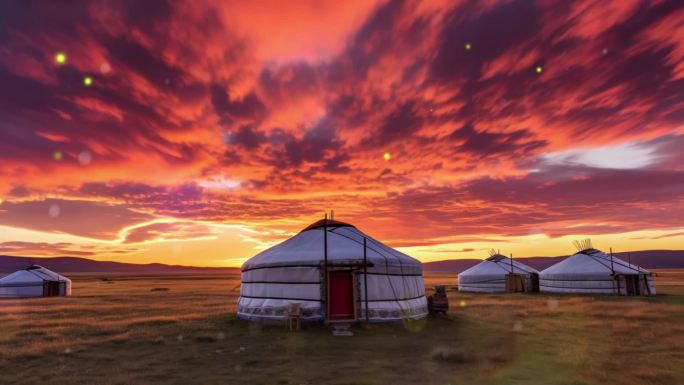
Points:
[[87, 81], [57, 155], [468, 46], [387, 156], [539, 69], [84, 158], [105, 68], [54, 211]]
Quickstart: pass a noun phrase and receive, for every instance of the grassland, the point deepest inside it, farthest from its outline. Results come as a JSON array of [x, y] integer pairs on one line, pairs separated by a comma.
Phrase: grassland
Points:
[[181, 330]]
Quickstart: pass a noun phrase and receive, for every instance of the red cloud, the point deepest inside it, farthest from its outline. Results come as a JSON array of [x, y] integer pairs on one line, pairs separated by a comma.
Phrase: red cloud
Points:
[[296, 106]]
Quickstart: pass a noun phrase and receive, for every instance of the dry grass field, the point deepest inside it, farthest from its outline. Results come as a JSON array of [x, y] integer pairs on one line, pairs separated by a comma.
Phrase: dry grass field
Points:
[[181, 330]]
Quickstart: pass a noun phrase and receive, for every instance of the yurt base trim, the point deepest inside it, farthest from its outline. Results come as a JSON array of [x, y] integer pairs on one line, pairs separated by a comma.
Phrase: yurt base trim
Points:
[[283, 298]]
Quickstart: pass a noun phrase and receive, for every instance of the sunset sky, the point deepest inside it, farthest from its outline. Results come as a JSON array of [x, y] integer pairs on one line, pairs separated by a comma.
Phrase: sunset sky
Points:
[[199, 132]]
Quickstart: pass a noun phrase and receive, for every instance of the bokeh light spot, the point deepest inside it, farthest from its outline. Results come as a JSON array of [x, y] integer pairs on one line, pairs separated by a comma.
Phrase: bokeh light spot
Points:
[[468, 46], [539, 69], [53, 211], [60, 58], [57, 155], [387, 156], [105, 68], [87, 81], [462, 303], [517, 326], [552, 303], [84, 158]]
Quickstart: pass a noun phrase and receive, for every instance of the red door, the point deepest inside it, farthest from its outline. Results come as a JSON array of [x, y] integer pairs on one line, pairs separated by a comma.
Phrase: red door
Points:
[[341, 295]]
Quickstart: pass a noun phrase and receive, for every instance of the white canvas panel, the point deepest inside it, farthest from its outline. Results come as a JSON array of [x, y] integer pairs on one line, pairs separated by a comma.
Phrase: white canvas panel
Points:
[[282, 291], [283, 274], [383, 287], [21, 291]]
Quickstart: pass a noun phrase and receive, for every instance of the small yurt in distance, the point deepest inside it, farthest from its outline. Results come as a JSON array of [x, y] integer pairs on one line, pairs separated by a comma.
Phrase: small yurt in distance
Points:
[[591, 271], [334, 272], [499, 274], [34, 281]]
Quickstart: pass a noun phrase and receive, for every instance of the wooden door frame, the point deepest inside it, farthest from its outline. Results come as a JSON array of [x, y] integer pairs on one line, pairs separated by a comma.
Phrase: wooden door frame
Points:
[[355, 294]]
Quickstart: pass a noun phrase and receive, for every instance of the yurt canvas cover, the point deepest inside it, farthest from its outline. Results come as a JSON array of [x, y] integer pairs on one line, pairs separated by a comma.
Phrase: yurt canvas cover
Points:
[[591, 271], [386, 282], [34, 281], [493, 275]]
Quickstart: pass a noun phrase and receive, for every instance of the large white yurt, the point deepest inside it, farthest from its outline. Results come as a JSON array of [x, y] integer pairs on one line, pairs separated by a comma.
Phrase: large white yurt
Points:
[[332, 271], [34, 281], [499, 274], [592, 271]]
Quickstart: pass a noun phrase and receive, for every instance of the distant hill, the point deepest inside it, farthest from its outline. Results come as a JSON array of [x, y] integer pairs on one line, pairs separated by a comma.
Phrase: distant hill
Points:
[[9, 264], [649, 259]]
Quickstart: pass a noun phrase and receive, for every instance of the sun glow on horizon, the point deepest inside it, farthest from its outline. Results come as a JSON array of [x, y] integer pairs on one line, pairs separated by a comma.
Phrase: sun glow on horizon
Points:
[[432, 127]]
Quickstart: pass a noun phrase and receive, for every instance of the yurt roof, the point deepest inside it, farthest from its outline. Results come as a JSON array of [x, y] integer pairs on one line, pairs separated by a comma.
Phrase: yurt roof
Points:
[[33, 273], [498, 264], [593, 261], [345, 245]]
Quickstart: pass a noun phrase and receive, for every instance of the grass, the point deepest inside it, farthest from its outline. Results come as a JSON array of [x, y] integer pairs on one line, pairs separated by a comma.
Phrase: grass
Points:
[[122, 331]]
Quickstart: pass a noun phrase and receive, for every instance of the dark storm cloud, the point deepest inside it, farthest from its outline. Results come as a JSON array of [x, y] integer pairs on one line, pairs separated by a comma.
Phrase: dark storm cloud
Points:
[[247, 136], [248, 107], [144, 62], [484, 144], [492, 33]]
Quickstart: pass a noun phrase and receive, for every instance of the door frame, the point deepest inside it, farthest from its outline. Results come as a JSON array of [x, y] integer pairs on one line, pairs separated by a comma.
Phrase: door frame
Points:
[[534, 282], [355, 294]]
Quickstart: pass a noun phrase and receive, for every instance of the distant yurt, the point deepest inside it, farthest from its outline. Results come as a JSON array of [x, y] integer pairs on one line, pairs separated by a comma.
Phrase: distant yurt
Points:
[[499, 274], [591, 271], [334, 272], [34, 281]]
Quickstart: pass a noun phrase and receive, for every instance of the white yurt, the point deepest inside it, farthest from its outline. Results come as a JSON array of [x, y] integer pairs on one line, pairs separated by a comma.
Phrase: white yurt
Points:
[[332, 271], [499, 274], [34, 281], [591, 271]]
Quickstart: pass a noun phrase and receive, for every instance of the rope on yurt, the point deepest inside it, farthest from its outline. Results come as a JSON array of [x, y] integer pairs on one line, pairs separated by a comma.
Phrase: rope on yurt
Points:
[[325, 264], [365, 275], [405, 313], [41, 278], [391, 285]]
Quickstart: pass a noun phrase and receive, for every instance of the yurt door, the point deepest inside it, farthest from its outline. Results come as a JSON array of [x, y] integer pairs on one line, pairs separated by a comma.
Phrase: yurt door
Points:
[[341, 295], [633, 286], [514, 283], [50, 288]]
